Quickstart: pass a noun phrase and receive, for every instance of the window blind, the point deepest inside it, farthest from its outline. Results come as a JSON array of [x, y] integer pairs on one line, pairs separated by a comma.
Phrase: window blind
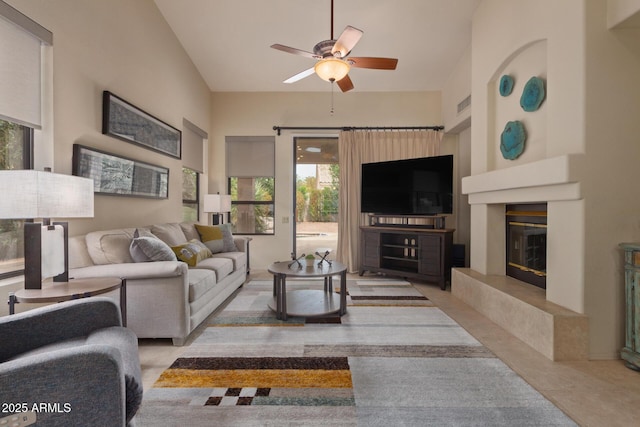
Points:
[[250, 156], [20, 67], [193, 146]]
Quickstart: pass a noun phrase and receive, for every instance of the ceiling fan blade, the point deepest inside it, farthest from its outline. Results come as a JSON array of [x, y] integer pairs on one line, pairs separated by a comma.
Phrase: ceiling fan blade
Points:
[[345, 84], [300, 76], [294, 51], [374, 63], [347, 40]]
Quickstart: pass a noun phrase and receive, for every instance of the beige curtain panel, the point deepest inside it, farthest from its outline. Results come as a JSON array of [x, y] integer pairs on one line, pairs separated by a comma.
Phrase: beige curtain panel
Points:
[[356, 148]]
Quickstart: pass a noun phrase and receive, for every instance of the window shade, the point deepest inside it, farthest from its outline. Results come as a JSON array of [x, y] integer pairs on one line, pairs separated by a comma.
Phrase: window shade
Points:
[[193, 146], [249, 156], [20, 67]]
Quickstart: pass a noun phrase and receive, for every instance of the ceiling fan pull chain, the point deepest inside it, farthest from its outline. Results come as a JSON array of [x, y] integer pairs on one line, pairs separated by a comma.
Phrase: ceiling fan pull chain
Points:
[[332, 98]]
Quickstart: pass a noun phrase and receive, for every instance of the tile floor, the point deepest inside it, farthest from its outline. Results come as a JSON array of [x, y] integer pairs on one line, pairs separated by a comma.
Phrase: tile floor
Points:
[[593, 393]]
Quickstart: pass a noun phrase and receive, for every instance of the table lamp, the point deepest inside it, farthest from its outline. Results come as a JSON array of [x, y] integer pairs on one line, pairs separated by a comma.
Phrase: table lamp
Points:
[[217, 204], [30, 194]]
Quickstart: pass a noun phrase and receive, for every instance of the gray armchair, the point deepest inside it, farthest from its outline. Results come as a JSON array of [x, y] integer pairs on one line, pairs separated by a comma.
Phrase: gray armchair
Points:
[[71, 363]]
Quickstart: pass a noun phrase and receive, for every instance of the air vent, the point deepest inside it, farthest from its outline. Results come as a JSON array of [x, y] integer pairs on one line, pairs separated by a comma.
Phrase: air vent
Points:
[[464, 104]]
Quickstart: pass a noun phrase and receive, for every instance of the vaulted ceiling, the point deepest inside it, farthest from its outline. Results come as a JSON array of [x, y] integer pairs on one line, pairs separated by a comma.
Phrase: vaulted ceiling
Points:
[[229, 40]]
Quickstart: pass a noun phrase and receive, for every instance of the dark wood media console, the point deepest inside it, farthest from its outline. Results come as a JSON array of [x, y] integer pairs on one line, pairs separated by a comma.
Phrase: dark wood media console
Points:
[[411, 252]]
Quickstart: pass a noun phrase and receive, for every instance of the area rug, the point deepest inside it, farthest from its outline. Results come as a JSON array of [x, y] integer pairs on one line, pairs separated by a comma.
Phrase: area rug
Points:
[[393, 360]]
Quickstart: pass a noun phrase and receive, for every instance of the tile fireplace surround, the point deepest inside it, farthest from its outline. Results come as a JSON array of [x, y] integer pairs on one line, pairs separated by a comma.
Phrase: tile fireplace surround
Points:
[[549, 321]]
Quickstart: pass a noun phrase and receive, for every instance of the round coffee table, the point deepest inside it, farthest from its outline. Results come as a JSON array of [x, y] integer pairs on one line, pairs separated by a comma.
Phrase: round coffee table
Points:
[[308, 302]]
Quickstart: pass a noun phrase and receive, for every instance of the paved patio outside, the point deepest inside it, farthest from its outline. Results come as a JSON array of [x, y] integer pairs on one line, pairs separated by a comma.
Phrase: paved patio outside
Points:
[[316, 236]]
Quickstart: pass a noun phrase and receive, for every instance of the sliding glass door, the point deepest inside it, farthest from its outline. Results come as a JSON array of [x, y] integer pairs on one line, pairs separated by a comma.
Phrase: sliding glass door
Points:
[[316, 194]]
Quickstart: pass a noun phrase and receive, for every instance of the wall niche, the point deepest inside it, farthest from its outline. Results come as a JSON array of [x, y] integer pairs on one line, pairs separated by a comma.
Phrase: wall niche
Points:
[[504, 106]]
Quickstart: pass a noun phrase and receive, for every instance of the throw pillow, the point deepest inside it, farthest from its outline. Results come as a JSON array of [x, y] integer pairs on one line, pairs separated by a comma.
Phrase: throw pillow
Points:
[[146, 248], [218, 238], [192, 252], [171, 234], [143, 232]]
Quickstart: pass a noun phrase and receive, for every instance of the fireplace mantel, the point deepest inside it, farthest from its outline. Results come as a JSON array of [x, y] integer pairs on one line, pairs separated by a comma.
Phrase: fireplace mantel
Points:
[[557, 178]]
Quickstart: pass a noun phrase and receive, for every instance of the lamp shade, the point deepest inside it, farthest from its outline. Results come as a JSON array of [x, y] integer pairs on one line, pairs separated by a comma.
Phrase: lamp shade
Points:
[[216, 203], [225, 203], [331, 69], [37, 194]]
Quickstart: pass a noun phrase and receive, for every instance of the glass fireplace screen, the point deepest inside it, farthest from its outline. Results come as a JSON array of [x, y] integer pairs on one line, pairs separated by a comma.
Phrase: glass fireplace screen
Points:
[[527, 246]]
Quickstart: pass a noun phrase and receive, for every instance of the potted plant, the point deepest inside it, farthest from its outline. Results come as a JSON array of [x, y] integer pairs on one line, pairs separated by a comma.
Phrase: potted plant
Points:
[[310, 259]]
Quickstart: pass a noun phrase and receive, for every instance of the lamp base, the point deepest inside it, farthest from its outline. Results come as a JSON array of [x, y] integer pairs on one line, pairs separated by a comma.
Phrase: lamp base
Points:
[[217, 218], [33, 255]]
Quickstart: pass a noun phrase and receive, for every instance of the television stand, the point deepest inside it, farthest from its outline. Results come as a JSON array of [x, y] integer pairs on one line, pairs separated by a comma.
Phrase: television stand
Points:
[[410, 252], [406, 221]]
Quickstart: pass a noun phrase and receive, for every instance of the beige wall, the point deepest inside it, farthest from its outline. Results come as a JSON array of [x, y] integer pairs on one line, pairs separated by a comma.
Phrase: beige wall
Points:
[[612, 208], [455, 90], [501, 33], [125, 47], [623, 13], [242, 114], [589, 120]]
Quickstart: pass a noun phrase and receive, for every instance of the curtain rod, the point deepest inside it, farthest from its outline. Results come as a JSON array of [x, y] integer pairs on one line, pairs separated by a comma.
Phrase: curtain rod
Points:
[[350, 128]]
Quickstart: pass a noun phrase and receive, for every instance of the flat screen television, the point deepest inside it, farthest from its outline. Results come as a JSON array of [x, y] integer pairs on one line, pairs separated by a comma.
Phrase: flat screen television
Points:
[[422, 186]]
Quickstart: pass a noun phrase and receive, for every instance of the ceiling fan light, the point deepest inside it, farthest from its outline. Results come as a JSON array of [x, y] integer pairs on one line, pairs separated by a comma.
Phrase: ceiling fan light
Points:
[[332, 69]]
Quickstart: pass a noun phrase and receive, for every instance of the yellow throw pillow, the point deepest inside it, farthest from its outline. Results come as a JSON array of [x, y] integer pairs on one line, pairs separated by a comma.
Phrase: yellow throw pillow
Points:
[[192, 252], [218, 238]]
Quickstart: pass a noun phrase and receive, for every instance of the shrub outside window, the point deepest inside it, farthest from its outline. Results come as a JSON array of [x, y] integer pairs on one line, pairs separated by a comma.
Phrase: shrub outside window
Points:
[[190, 206], [16, 146], [252, 204]]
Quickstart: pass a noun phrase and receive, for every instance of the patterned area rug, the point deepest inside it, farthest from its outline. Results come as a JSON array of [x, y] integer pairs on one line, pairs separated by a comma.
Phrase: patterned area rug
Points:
[[393, 359], [386, 293]]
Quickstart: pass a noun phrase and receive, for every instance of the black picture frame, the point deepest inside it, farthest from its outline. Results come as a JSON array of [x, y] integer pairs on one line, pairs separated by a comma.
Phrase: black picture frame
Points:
[[123, 120], [120, 176]]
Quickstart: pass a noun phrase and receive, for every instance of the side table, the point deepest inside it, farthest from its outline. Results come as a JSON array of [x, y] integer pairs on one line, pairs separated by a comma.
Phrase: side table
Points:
[[308, 302], [630, 353], [73, 289]]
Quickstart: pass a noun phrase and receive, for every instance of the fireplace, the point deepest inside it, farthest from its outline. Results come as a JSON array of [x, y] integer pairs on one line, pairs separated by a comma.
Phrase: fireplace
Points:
[[550, 319], [526, 239]]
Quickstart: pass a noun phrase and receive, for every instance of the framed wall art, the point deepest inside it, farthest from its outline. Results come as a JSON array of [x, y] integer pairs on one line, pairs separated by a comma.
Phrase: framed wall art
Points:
[[124, 121], [120, 176]]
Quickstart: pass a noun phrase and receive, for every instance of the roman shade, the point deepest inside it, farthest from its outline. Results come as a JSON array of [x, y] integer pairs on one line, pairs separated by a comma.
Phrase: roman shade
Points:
[[20, 69], [250, 156], [193, 139]]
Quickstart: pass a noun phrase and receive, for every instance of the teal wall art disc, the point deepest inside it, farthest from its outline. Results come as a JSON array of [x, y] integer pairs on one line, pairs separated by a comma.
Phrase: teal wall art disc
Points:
[[512, 140], [532, 94], [506, 85]]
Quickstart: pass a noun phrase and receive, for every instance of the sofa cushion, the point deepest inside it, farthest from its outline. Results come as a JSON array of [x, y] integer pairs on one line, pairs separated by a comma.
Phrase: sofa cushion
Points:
[[189, 230], [218, 238], [110, 246], [239, 259], [222, 266], [147, 248], [78, 253], [192, 252], [200, 282], [171, 234]]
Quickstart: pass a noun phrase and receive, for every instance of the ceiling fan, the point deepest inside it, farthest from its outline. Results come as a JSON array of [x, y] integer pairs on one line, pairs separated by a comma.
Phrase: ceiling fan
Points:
[[333, 63]]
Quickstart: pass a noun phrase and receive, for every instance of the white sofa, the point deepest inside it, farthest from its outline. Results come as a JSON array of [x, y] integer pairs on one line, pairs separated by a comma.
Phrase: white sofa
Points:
[[165, 299]]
